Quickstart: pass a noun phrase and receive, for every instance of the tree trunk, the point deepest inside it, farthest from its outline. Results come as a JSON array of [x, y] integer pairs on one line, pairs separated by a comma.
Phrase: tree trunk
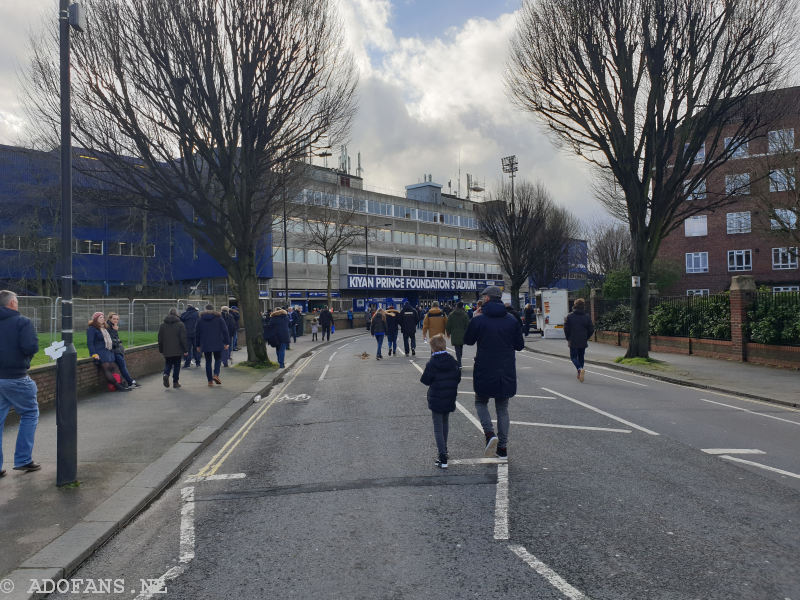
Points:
[[639, 344], [515, 296], [330, 269], [247, 283]]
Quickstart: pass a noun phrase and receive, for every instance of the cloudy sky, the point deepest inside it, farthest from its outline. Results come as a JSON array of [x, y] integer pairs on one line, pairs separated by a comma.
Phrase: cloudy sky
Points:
[[431, 95]]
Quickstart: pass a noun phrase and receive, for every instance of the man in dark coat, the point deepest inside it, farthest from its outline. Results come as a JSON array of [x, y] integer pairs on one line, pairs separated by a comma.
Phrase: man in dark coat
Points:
[[212, 340], [276, 333], [325, 321], [236, 316], [530, 318], [409, 318], [189, 318], [498, 335], [18, 345], [578, 328], [173, 344], [457, 324], [230, 323]]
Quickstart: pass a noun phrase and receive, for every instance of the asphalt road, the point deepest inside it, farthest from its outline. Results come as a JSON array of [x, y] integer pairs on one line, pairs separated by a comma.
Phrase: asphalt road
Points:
[[620, 487]]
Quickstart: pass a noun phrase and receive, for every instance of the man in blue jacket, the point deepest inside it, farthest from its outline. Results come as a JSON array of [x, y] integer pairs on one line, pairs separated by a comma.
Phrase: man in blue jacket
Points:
[[18, 344], [190, 317], [212, 340], [498, 335]]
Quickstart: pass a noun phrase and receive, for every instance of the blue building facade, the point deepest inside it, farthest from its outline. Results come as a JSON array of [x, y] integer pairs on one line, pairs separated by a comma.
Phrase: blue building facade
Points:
[[115, 250]]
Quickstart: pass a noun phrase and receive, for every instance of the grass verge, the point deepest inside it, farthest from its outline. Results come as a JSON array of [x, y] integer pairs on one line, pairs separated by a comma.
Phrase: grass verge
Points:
[[140, 338], [639, 361]]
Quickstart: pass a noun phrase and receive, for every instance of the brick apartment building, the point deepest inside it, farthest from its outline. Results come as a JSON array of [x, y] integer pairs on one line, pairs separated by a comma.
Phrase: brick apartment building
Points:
[[743, 237]]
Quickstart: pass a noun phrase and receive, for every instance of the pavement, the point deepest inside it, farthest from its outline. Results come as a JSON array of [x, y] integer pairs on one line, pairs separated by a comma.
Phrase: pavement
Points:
[[770, 384], [131, 447]]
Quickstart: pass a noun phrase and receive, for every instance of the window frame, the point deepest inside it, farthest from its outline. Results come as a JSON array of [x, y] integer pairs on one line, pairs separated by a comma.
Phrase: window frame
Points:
[[747, 252]]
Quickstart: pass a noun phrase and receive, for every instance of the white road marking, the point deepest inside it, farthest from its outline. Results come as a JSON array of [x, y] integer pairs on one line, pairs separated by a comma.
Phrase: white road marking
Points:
[[732, 451], [611, 429], [536, 358], [551, 576], [473, 419], [420, 369], [187, 525], [760, 466], [332, 355], [618, 378], [196, 478], [501, 504], [602, 412], [466, 393], [465, 377], [477, 461], [325, 370], [752, 412]]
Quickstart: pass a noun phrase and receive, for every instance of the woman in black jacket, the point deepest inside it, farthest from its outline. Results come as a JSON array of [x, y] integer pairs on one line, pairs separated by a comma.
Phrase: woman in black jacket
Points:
[[578, 328]]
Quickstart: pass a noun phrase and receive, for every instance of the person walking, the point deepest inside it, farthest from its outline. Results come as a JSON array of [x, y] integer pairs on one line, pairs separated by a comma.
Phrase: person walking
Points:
[[276, 333], [498, 335], [442, 375], [325, 321], [212, 340], [392, 325], [173, 345], [578, 328], [294, 323], [530, 316], [18, 345], [234, 310], [98, 341], [457, 324], [434, 323], [350, 317], [378, 329], [112, 324], [409, 318], [190, 317], [230, 323]]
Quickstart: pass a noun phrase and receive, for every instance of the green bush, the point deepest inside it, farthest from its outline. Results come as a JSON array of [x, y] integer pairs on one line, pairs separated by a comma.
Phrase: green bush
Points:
[[618, 319], [708, 318], [771, 322]]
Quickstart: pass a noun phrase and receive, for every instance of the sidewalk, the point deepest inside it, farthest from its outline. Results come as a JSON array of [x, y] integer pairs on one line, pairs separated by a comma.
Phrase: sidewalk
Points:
[[741, 379], [130, 447]]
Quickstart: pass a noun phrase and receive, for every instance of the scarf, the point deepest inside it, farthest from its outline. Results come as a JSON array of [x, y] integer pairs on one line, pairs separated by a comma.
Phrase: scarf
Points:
[[106, 338]]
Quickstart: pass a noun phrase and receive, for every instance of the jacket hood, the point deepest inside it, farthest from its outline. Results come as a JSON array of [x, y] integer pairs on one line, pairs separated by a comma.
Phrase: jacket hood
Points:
[[171, 319], [207, 315], [442, 361], [435, 311], [278, 313], [190, 309], [458, 310], [407, 305], [392, 312], [7, 313], [579, 310], [494, 309]]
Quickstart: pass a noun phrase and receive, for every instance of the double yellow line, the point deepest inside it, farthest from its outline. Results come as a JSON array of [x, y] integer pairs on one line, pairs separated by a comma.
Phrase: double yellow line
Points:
[[216, 461]]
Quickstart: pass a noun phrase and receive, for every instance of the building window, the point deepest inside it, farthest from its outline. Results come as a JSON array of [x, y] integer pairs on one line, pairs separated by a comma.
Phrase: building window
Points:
[[739, 222], [698, 193], [702, 292], [784, 219], [737, 184], [784, 258], [696, 226], [296, 255], [701, 153], [781, 180], [697, 262], [277, 254], [740, 260], [404, 237], [740, 151], [88, 247], [776, 289], [781, 140]]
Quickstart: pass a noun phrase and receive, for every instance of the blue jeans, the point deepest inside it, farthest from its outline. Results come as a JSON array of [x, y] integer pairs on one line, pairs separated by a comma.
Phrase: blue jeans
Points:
[[21, 394], [281, 350], [501, 405], [391, 341], [193, 353], [576, 356], [123, 368], [216, 355], [379, 339], [235, 340], [440, 430]]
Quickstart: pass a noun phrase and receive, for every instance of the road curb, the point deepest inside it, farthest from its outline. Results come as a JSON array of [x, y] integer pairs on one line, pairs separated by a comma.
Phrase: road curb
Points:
[[65, 554], [675, 380]]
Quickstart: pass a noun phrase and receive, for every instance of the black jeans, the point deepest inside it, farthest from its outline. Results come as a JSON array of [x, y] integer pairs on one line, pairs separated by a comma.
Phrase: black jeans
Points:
[[217, 356], [406, 338], [326, 332], [459, 351], [172, 364], [193, 353]]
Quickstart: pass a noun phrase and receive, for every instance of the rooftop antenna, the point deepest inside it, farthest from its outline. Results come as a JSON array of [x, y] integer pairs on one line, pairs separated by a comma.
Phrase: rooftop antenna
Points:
[[359, 170], [469, 184]]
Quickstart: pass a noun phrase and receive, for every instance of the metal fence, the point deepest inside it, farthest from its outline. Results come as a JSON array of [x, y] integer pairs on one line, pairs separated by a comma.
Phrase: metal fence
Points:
[[701, 317], [613, 315], [774, 318]]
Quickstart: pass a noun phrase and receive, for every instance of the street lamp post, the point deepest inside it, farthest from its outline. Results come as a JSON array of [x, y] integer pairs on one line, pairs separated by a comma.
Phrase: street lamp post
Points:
[[66, 388], [511, 166]]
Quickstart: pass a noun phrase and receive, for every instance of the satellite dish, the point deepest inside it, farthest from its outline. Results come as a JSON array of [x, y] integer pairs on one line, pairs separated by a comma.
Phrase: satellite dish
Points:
[[476, 188]]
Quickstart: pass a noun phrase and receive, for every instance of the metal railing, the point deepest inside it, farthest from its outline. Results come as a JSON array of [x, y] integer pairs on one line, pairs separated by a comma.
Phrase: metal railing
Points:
[[774, 318], [700, 317]]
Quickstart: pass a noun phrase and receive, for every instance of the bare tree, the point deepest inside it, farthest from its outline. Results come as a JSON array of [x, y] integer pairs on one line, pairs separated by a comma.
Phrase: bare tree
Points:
[[609, 247], [648, 90], [513, 228], [200, 111], [552, 247], [330, 229]]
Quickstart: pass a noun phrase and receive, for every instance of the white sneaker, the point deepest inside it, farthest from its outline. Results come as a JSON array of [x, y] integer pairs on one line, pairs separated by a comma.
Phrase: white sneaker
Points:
[[491, 446]]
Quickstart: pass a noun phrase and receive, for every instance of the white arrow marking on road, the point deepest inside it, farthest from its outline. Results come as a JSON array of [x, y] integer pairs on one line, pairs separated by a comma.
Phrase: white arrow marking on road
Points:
[[732, 451], [602, 412], [295, 398], [325, 370], [760, 466]]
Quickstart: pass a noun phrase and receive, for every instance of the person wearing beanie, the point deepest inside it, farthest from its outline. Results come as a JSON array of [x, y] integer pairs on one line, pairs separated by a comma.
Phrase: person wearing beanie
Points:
[[498, 336], [100, 345]]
